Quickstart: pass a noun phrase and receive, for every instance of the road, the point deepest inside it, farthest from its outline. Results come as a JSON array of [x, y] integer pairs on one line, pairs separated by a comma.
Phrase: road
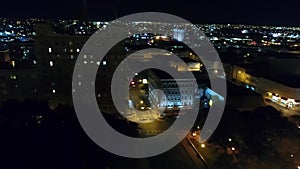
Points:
[[140, 116], [156, 127], [179, 157], [176, 158]]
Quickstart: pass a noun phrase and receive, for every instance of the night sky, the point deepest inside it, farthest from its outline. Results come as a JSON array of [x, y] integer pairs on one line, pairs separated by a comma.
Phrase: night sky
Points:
[[197, 11]]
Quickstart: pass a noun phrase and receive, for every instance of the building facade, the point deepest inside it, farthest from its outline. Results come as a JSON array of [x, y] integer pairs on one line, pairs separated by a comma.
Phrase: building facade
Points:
[[169, 94]]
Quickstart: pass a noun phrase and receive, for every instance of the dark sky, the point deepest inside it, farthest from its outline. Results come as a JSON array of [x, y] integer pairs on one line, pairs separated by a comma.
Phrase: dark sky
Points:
[[272, 12]]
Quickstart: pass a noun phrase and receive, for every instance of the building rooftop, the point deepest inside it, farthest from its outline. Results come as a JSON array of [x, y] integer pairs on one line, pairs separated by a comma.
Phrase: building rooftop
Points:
[[201, 77], [261, 70]]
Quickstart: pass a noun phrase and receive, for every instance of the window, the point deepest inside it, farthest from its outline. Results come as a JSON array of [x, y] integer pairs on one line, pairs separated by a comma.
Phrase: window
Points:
[[50, 50], [51, 63]]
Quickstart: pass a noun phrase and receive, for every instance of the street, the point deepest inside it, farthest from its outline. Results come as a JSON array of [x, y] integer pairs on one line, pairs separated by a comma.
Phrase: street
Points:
[[139, 109], [176, 158]]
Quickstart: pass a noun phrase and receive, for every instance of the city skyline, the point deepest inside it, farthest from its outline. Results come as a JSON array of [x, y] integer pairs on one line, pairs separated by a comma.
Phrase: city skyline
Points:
[[254, 12]]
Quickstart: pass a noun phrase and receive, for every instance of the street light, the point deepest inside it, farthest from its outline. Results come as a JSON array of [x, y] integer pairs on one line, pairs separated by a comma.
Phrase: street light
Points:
[[203, 145]]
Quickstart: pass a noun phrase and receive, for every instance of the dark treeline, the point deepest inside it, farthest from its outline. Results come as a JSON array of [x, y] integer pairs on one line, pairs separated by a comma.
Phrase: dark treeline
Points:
[[34, 136]]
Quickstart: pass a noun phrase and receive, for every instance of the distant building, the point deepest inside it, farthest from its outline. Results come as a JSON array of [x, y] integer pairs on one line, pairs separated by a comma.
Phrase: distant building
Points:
[[58, 53], [17, 81], [49, 76], [178, 34]]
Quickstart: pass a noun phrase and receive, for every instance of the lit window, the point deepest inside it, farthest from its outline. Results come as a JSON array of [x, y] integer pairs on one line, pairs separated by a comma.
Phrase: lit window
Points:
[[50, 50], [85, 62], [98, 63], [71, 57], [51, 63], [77, 50], [104, 62], [71, 50], [53, 91], [34, 62]]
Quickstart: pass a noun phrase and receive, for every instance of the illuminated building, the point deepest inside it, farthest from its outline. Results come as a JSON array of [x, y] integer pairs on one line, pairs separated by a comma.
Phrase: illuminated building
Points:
[[178, 34], [172, 96]]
